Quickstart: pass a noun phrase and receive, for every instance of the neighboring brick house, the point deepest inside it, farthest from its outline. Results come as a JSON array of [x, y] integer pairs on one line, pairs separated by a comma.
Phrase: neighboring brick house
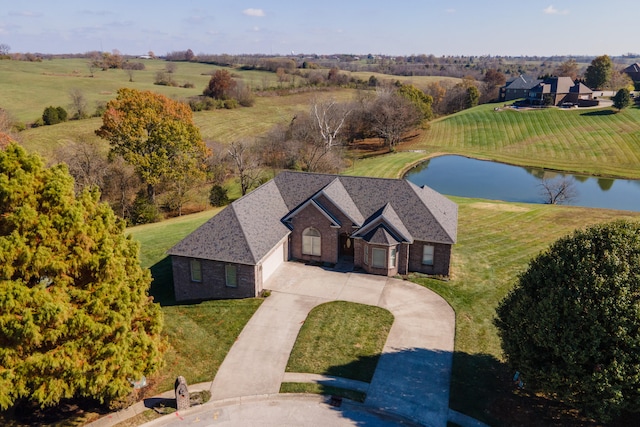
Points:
[[561, 90], [382, 226], [633, 71], [518, 87]]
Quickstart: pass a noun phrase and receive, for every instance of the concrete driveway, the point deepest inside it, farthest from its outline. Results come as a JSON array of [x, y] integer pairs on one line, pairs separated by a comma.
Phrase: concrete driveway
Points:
[[413, 373], [411, 382]]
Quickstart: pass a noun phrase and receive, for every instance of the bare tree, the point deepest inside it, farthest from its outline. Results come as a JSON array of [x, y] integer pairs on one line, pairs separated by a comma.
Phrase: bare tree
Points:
[[79, 104], [329, 119], [568, 68], [86, 161], [171, 67], [246, 164], [392, 117], [558, 191], [4, 49]]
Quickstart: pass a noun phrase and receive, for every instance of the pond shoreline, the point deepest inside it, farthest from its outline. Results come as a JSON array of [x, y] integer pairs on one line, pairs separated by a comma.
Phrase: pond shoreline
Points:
[[466, 176]]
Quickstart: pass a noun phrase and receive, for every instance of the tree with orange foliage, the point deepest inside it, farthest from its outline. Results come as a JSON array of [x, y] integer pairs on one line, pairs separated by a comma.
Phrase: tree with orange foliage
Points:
[[155, 135]]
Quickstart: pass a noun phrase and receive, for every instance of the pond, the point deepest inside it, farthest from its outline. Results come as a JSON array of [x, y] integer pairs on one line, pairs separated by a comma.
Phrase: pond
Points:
[[461, 176]]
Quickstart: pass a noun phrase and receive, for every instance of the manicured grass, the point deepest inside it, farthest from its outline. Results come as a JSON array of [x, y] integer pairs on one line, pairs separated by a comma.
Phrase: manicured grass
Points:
[[592, 141], [495, 242], [356, 396], [341, 339], [155, 239], [200, 336]]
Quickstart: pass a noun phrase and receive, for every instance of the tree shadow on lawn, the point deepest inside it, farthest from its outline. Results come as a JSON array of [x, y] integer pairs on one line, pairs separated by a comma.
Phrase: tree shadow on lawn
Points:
[[482, 387], [162, 285], [161, 288], [599, 113]]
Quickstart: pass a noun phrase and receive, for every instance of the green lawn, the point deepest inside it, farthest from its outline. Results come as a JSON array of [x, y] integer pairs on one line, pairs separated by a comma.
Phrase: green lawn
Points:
[[495, 242], [29, 87], [341, 339], [356, 396], [200, 335], [593, 142]]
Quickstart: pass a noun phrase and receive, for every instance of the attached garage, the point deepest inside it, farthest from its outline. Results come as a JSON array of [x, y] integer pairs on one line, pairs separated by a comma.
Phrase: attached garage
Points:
[[273, 260]]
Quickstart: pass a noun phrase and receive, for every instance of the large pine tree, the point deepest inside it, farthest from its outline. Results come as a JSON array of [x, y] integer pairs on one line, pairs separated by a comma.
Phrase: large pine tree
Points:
[[75, 316]]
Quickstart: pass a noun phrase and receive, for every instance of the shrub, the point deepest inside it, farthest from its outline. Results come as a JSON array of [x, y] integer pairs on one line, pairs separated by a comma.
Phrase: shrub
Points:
[[143, 211], [218, 196], [54, 115], [101, 108], [570, 324], [230, 104], [188, 85]]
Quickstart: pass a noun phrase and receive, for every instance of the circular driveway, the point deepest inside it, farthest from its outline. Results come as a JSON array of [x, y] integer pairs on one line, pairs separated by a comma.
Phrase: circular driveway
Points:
[[411, 381]]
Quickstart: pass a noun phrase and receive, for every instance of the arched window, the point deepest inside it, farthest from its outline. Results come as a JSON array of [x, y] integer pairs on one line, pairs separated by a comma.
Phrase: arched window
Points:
[[311, 242]]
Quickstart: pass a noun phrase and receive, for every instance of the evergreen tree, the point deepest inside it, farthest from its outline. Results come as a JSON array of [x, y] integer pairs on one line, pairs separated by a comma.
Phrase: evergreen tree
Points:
[[571, 324], [75, 316], [622, 99]]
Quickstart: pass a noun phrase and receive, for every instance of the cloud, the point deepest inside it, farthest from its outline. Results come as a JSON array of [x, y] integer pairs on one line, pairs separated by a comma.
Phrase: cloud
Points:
[[253, 12], [553, 11], [25, 14], [450, 10]]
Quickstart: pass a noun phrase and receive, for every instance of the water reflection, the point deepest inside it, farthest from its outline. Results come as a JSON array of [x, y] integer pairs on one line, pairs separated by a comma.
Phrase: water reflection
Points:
[[461, 176]]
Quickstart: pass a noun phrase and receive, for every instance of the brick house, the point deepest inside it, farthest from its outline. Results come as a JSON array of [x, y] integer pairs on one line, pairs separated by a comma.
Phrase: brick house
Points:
[[518, 87], [382, 226], [561, 90], [633, 71]]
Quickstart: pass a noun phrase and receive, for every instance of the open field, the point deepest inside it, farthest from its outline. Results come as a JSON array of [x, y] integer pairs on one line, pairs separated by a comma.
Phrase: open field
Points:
[[27, 88], [591, 142], [420, 82]]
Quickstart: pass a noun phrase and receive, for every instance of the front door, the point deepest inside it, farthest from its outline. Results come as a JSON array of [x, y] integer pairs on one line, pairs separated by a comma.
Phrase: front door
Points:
[[346, 246]]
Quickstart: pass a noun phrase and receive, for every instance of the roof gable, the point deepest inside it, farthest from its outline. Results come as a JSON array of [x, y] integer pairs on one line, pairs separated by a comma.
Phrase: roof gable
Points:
[[248, 229], [338, 195], [387, 216], [380, 236], [313, 203], [244, 232]]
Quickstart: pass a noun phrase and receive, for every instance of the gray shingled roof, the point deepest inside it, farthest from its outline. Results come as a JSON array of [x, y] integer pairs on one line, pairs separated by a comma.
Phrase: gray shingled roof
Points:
[[380, 236], [561, 85], [580, 88], [245, 231], [339, 196], [387, 216], [633, 68], [522, 82]]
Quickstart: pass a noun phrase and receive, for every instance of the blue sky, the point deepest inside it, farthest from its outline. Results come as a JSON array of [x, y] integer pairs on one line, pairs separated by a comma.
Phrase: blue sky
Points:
[[447, 27]]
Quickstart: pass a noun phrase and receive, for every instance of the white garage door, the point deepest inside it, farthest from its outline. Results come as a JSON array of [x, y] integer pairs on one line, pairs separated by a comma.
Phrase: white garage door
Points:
[[272, 262]]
